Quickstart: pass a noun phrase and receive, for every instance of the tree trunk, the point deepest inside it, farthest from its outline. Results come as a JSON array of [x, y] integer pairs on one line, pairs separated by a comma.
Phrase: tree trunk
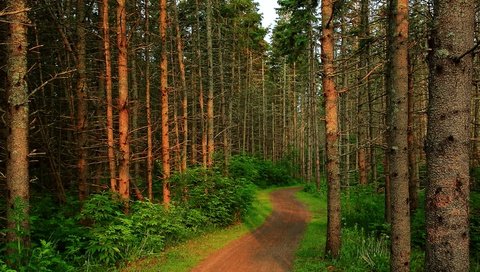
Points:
[[18, 234], [81, 95], [181, 64], [108, 90], [412, 159], [124, 142], [210, 139], [331, 130], [148, 107], [164, 93], [397, 140], [447, 196]]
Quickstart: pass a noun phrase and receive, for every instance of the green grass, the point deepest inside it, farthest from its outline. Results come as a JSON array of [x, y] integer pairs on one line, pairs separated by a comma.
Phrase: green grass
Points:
[[309, 256], [185, 256]]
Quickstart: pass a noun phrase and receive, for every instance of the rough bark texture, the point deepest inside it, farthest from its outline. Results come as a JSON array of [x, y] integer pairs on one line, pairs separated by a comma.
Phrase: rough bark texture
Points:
[[448, 139], [412, 159], [164, 93], [18, 128], [108, 90], [124, 167], [210, 139], [81, 105], [331, 128], [397, 140]]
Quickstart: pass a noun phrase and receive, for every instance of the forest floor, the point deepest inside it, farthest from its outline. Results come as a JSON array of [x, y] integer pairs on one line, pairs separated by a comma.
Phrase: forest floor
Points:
[[270, 248]]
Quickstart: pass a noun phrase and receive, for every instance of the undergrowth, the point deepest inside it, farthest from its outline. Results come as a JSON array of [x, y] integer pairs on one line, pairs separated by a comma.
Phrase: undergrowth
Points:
[[102, 237]]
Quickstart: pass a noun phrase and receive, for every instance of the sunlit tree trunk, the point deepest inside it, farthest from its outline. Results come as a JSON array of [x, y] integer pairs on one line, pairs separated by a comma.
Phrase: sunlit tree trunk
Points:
[[397, 140], [164, 101], [447, 148], [331, 130], [108, 95], [17, 176], [123, 122]]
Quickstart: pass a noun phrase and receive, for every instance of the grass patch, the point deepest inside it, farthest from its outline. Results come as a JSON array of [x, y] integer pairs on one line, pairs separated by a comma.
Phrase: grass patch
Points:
[[310, 253], [185, 256]]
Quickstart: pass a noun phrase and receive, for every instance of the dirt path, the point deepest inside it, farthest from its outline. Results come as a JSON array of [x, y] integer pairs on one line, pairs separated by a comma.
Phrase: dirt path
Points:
[[271, 247]]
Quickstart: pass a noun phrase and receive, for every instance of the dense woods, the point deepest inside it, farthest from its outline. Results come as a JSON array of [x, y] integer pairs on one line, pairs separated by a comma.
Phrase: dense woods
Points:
[[129, 126]]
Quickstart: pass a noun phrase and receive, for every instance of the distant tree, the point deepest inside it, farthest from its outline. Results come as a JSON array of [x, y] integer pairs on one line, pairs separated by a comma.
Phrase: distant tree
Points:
[[448, 136]]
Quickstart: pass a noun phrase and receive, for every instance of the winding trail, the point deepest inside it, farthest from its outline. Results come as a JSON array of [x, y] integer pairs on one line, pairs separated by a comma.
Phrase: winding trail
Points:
[[271, 247]]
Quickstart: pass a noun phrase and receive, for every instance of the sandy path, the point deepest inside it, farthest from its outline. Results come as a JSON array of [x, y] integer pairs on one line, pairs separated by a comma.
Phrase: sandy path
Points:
[[271, 247]]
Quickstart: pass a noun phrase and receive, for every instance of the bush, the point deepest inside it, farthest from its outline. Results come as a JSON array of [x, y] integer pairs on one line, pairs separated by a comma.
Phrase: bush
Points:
[[262, 173]]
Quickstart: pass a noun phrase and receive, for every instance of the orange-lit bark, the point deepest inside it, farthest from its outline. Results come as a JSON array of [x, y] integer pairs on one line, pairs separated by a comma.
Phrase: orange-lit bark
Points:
[[108, 90], [331, 129], [164, 101], [124, 144]]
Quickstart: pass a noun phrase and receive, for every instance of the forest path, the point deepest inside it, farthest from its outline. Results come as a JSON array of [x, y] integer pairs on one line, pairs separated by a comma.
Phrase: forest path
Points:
[[271, 247]]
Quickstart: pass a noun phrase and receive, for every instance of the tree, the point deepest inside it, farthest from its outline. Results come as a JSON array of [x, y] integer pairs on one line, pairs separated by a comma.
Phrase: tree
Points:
[[164, 94], [331, 129], [18, 129], [397, 138], [448, 140], [123, 122], [108, 91], [210, 139], [81, 95]]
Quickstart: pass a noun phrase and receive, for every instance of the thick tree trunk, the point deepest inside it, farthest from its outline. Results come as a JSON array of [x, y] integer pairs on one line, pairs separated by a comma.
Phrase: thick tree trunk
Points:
[[123, 122], [331, 129], [81, 95], [164, 101], [108, 95], [18, 129], [447, 196], [397, 140]]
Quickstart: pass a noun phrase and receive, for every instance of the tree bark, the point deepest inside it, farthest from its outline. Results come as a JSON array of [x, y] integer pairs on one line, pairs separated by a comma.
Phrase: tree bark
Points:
[[18, 130], [210, 128], [123, 122], [447, 196], [108, 90], [397, 139], [164, 94], [331, 129], [81, 95]]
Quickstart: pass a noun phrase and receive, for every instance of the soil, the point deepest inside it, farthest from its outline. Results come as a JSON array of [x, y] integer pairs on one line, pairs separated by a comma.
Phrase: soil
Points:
[[271, 247]]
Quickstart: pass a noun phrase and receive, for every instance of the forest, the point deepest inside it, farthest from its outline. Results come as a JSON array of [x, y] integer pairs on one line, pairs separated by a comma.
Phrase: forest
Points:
[[145, 135]]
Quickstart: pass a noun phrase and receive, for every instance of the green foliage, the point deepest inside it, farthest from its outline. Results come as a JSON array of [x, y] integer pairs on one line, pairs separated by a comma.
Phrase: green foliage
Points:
[[46, 258], [475, 227], [362, 206], [362, 252], [262, 173]]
